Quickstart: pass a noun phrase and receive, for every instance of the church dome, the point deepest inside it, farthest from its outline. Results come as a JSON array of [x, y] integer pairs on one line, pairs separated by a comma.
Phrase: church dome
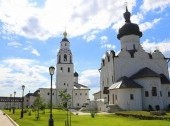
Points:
[[65, 37], [128, 28], [76, 74]]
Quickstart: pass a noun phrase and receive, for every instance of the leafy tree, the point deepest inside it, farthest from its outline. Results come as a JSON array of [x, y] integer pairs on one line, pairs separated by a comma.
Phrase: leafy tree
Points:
[[38, 105], [65, 98]]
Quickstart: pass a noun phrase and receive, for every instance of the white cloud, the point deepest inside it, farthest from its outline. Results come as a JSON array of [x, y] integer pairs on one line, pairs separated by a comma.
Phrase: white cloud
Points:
[[103, 39], [104, 43], [25, 18], [16, 72], [14, 44], [91, 78], [32, 50], [89, 38], [148, 25], [35, 52], [163, 46], [149, 5]]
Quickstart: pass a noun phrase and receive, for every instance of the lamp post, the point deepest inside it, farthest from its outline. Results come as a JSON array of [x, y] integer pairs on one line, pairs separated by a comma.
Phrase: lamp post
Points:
[[14, 102], [51, 71], [10, 102], [22, 105]]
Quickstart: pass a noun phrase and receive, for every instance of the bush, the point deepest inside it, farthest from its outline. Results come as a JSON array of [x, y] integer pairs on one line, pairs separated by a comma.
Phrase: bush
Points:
[[157, 113]]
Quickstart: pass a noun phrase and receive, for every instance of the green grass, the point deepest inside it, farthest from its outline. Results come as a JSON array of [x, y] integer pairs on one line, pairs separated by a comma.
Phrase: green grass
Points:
[[59, 117]]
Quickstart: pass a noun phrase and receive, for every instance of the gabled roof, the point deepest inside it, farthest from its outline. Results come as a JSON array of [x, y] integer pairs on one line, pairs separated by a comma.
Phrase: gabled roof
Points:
[[164, 79], [80, 86], [125, 82], [145, 72], [29, 94]]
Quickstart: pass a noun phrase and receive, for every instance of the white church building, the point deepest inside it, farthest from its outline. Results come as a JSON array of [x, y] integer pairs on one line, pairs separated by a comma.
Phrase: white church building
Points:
[[134, 79]]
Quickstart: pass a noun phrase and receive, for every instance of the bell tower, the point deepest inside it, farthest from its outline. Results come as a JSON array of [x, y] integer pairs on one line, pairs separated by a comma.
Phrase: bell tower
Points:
[[65, 67]]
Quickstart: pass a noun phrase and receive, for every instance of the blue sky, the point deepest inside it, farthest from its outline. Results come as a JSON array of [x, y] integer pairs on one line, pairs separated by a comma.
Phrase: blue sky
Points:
[[31, 31]]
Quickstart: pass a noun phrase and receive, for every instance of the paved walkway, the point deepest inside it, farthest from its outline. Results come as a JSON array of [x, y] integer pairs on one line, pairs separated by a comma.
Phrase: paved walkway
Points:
[[75, 112], [4, 120]]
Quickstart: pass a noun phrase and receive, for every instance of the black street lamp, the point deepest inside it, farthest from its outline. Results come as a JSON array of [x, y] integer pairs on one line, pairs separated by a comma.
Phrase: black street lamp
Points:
[[10, 102], [22, 105], [51, 71], [14, 102]]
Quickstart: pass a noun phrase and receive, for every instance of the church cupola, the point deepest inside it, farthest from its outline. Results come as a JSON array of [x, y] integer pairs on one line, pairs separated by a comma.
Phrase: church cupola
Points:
[[128, 28], [64, 54], [129, 34]]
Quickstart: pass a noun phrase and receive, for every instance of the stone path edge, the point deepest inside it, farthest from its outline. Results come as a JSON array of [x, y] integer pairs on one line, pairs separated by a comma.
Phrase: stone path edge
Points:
[[13, 122]]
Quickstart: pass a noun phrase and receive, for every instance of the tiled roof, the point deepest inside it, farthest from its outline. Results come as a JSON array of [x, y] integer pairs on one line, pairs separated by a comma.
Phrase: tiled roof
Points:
[[145, 72], [80, 86], [125, 82], [164, 79]]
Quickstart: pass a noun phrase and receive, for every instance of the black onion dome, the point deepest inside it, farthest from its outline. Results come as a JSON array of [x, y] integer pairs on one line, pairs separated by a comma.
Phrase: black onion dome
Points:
[[76, 74], [65, 39], [128, 28]]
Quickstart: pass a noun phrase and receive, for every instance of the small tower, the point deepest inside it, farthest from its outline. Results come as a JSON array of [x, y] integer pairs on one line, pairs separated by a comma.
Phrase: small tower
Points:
[[65, 67], [129, 34]]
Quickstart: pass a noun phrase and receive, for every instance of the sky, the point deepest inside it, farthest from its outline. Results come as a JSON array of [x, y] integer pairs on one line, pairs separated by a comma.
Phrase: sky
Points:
[[31, 32]]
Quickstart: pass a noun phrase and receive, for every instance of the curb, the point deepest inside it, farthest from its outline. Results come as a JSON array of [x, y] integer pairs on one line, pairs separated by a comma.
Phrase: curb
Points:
[[13, 122]]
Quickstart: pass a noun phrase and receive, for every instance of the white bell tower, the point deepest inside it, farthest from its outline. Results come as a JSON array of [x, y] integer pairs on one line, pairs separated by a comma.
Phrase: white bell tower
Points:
[[65, 67]]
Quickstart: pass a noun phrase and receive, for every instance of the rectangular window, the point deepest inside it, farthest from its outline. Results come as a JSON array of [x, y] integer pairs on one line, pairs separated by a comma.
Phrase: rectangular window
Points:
[[154, 91], [168, 93], [68, 69], [61, 69], [131, 97], [146, 94], [161, 93]]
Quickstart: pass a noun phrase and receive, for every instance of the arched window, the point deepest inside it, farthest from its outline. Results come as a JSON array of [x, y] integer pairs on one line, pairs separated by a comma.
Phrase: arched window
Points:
[[68, 69], [65, 57]]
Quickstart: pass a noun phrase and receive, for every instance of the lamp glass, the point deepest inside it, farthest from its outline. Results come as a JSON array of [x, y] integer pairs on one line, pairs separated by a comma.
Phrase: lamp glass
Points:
[[51, 70], [23, 87]]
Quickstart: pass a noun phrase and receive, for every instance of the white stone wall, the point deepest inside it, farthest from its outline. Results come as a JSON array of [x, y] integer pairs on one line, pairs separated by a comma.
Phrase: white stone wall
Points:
[[166, 98], [147, 84], [129, 66], [123, 98], [80, 97], [45, 95]]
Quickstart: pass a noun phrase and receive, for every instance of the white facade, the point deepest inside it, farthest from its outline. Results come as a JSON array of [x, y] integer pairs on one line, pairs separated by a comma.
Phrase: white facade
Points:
[[134, 79]]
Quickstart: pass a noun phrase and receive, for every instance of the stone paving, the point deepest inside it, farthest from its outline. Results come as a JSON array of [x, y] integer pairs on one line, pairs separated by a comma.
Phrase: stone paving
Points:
[[5, 121]]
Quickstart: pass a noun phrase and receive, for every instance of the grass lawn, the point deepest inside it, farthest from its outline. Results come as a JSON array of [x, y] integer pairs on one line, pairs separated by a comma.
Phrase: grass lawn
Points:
[[59, 117]]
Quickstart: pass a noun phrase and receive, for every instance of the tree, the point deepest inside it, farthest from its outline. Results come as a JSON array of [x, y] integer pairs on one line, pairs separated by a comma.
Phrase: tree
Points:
[[38, 104], [65, 99]]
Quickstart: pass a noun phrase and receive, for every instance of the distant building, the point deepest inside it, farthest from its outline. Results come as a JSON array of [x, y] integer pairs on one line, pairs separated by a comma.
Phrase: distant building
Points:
[[134, 79], [10, 102]]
